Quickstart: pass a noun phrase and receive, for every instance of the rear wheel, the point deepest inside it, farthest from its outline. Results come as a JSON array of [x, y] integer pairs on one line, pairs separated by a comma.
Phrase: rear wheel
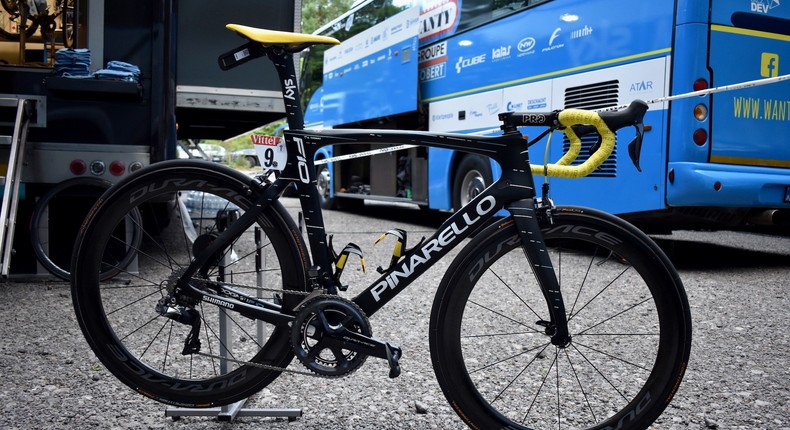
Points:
[[628, 318], [132, 324]]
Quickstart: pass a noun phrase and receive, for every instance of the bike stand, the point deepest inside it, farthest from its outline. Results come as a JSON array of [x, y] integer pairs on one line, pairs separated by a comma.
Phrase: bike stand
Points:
[[234, 410]]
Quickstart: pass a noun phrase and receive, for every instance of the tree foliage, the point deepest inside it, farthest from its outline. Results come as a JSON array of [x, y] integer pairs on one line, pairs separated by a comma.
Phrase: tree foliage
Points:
[[316, 13]]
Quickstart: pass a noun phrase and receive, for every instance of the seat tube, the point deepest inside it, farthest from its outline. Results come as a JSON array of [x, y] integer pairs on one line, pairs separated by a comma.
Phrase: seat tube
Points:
[[535, 249]]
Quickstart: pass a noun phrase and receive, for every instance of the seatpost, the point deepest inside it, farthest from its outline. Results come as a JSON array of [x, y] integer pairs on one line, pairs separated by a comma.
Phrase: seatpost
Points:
[[286, 70]]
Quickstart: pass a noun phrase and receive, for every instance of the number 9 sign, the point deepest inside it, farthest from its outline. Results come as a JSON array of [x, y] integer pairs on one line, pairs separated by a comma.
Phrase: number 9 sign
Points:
[[271, 151]]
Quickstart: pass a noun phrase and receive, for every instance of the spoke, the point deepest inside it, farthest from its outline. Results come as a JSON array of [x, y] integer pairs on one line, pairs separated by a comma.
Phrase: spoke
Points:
[[522, 370], [615, 315], [557, 372], [506, 317], [471, 336], [139, 328], [510, 358], [167, 347], [584, 280], [578, 381], [570, 317], [169, 264], [516, 294], [542, 383], [599, 372], [243, 330], [208, 338], [613, 356], [153, 338], [138, 300], [247, 255]]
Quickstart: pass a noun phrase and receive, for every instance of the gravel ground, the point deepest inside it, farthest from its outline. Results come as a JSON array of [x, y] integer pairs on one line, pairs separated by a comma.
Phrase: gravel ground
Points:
[[738, 376]]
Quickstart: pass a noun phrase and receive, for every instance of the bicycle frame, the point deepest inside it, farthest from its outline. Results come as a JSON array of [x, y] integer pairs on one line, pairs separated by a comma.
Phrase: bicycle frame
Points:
[[514, 191]]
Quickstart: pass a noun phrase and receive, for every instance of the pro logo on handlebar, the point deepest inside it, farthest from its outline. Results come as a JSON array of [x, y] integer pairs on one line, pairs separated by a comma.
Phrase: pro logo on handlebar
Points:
[[534, 119]]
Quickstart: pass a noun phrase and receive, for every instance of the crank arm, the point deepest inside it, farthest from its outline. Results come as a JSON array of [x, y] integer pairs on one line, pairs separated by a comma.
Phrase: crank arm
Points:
[[366, 345]]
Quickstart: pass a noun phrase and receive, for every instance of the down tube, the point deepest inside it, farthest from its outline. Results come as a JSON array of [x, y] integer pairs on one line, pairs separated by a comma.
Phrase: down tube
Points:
[[457, 228]]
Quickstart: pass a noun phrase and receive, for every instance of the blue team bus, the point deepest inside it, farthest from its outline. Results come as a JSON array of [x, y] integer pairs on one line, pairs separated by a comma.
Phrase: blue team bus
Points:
[[716, 160]]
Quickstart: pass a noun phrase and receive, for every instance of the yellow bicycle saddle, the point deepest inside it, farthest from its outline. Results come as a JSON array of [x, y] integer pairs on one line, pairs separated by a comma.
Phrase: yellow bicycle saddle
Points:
[[272, 37]]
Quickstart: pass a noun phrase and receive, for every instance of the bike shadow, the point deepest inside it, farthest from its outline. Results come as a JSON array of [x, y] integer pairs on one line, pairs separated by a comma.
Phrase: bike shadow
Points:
[[693, 255]]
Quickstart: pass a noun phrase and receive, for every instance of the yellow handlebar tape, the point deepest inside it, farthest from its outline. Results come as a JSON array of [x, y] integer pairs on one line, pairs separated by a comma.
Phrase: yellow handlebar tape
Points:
[[563, 169]]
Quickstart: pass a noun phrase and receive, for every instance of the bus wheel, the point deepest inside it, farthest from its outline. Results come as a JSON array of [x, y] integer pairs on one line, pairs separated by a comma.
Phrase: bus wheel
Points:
[[472, 176], [323, 182]]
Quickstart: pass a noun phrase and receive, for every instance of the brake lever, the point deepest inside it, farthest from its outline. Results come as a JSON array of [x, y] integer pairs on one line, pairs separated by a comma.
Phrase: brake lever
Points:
[[635, 146]]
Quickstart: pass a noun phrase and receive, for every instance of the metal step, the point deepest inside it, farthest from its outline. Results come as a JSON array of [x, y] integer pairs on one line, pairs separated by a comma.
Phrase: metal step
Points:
[[22, 115]]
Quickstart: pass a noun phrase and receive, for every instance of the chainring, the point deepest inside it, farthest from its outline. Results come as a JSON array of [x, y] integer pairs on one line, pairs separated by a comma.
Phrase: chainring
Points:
[[314, 345]]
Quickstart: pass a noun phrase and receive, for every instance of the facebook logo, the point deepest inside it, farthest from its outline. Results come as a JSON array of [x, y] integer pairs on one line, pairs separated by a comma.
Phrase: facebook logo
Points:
[[769, 66]]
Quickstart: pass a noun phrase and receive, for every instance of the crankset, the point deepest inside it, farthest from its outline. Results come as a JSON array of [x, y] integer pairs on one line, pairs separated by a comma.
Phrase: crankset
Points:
[[332, 337]]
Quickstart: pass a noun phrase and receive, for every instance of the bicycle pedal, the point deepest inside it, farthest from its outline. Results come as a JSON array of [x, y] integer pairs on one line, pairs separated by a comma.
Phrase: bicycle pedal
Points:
[[393, 356]]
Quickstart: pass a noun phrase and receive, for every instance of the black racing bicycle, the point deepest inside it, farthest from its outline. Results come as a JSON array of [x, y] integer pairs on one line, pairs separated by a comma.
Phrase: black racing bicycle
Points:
[[551, 317]]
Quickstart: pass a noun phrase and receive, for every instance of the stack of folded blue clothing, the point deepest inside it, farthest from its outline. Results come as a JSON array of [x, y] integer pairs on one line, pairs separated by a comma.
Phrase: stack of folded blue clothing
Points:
[[119, 71], [74, 63]]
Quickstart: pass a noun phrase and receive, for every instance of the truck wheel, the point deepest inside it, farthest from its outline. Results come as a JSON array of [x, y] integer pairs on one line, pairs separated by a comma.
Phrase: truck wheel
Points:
[[323, 183], [472, 176]]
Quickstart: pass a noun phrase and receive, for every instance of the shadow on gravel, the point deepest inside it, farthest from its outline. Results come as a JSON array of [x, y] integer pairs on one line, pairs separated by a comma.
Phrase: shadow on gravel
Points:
[[689, 255]]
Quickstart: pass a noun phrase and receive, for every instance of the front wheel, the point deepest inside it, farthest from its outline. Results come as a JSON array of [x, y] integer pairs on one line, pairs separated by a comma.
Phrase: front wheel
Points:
[[137, 323], [628, 318]]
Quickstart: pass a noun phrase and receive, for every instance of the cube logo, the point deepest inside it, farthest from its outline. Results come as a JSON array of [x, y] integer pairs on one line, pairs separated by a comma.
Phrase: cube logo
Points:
[[769, 66]]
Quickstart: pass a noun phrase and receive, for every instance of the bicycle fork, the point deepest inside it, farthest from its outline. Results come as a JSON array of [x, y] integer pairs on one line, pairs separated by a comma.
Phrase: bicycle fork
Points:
[[526, 219]]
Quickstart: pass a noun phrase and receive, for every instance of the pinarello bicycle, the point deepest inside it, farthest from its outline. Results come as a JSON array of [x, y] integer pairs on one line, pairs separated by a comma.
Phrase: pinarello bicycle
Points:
[[551, 317]]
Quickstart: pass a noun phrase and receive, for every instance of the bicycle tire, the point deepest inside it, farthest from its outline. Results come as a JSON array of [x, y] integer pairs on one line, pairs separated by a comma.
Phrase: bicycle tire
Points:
[[69, 31], [12, 7], [628, 317], [132, 339], [71, 190]]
